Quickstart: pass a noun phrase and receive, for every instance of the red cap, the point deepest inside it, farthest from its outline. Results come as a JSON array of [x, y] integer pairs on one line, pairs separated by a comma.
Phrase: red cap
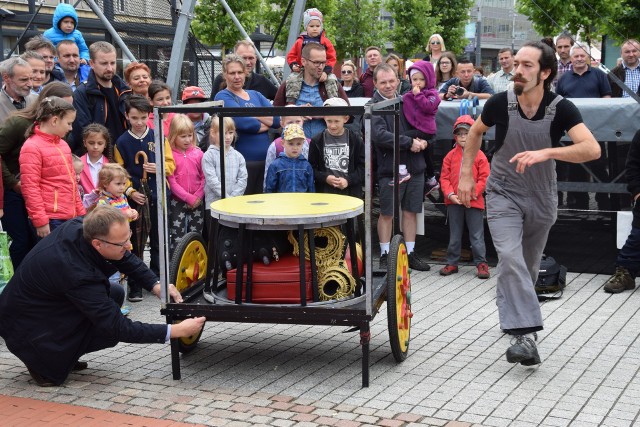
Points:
[[463, 122], [193, 92]]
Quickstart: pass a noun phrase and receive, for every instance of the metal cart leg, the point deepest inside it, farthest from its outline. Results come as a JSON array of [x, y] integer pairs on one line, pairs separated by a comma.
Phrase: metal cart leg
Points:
[[365, 337], [175, 354]]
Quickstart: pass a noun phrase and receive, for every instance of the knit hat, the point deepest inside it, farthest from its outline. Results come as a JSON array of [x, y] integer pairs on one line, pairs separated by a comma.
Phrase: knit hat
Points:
[[310, 15], [293, 131], [193, 92]]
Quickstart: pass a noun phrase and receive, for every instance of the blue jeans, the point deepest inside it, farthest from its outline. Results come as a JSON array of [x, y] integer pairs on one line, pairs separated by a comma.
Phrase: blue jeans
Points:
[[629, 255], [16, 223]]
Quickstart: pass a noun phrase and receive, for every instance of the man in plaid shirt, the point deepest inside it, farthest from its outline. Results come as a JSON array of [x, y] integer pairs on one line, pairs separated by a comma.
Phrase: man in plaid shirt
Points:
[[629, 70]]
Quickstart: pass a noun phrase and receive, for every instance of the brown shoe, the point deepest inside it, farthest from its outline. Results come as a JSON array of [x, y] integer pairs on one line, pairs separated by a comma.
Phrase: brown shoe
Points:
[[40, 380], [620, 281]]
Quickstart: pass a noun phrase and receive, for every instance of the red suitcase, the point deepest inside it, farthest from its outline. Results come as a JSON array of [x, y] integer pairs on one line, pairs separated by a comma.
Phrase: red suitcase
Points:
[[276, 283]]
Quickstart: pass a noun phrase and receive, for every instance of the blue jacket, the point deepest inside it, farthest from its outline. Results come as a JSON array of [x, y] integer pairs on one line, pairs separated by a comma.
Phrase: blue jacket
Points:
[[287, 175], [91, 107], [56, 35]]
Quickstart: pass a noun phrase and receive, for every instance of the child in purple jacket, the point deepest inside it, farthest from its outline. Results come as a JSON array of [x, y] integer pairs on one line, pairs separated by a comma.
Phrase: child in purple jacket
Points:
[[420, 108]]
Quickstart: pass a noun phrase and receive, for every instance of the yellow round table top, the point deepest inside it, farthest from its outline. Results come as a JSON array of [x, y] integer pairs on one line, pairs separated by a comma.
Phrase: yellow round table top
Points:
[[287, 208]]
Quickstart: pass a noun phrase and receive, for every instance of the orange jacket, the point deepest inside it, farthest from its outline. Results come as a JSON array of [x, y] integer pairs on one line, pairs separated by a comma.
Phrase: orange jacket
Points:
[[48, 179], [450, 175]]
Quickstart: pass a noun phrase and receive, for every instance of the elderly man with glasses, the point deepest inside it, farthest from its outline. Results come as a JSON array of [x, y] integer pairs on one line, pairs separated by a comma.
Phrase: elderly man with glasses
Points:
[[59, 305], [254, 81], [312, 92]]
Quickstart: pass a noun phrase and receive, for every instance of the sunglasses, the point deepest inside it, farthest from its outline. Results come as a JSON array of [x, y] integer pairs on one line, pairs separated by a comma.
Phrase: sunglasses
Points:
[[435, 42], [346, 72]]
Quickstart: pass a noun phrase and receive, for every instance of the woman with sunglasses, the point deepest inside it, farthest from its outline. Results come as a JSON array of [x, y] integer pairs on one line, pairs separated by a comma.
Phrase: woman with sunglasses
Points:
[[349, 81], [445, 68], [434, 49]]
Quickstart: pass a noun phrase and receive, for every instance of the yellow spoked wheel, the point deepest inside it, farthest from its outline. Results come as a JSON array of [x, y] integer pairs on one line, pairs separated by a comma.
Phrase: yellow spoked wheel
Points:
[[189, 262], [188, 266], [399, 298]]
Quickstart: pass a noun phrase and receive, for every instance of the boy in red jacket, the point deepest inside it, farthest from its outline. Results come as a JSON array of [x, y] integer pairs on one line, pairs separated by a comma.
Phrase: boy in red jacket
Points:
[[314, 32], [457, 213]]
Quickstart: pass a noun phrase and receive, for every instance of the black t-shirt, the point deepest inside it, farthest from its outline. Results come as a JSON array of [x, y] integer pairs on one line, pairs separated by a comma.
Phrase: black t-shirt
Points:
[[495, 114]]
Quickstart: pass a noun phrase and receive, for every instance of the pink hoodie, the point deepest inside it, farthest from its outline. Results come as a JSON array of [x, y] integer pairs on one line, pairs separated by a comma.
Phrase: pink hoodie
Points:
[[187, 181]]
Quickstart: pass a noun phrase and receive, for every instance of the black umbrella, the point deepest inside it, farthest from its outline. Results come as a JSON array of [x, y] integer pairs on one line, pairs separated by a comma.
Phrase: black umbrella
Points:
[[143, 223]]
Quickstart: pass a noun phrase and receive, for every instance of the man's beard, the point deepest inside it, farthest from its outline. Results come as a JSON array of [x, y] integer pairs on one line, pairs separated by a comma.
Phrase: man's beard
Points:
[[519, 90]]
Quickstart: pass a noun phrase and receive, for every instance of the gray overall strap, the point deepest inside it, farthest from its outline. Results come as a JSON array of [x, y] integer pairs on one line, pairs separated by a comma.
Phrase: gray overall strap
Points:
[[525, 135]]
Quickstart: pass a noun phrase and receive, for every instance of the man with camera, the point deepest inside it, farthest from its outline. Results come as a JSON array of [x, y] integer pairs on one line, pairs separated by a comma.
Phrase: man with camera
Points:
[[466, 85]]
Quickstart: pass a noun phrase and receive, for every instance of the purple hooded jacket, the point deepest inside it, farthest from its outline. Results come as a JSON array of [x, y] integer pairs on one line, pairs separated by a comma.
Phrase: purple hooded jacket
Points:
[[420, 110]]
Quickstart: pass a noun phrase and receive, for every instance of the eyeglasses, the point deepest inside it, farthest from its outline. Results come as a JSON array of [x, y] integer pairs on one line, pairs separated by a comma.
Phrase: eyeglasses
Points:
[[435, 42], [445, 62], [346, 72], [317, 63], [124, 245]]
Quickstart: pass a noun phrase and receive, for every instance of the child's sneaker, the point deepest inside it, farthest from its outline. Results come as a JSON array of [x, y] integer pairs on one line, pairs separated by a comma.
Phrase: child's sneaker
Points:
[[448, 270], [483, 271]]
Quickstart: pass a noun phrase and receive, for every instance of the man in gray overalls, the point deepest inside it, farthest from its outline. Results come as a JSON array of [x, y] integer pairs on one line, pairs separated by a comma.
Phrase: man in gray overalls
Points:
[[522, 190]]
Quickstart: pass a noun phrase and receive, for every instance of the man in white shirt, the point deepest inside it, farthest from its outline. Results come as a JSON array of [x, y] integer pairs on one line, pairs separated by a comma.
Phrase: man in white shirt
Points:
[[501, 80]]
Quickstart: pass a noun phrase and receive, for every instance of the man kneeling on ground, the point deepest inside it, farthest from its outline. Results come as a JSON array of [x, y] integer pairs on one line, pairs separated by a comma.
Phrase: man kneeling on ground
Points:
[[59, 305]]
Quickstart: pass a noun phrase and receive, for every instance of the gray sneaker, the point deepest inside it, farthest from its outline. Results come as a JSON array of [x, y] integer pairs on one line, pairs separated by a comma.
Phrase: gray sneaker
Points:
[[620, 281], [523, 351]]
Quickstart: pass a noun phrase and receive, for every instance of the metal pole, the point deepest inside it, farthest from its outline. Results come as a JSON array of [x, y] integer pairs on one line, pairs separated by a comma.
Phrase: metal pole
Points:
[[294, 30], [513, 29], [246, 36], [479, 35], [179, 46], [116, 37]]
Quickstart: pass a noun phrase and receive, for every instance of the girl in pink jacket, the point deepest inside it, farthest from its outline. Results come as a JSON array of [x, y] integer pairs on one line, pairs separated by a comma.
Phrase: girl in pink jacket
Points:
[[48, 179], [186, 210]]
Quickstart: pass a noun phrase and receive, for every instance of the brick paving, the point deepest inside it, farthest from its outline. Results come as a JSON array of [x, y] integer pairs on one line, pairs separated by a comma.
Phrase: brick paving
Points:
[[455, 375]]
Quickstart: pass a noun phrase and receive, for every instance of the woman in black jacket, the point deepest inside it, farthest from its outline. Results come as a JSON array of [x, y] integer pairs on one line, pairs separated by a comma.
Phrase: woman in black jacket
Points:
[[349, 80]]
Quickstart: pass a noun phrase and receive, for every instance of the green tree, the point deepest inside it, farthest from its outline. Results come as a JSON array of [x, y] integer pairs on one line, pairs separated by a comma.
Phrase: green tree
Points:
[[213, 26], [360, 26], [555, 16], [413, 23], [452, 17]]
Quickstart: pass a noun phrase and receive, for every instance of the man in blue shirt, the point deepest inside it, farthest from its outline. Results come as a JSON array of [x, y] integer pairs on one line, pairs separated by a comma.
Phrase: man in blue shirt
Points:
[[469, 84], [583, 81], [312, 92]]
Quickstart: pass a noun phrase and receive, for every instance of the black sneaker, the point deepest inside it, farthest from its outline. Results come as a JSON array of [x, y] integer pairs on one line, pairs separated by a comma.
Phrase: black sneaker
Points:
[[135, 296], [383, 261], [417, 263], [523, 351], [620, 281]]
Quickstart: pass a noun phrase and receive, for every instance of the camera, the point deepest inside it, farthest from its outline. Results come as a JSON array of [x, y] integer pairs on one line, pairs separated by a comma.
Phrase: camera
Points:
[[459, 91]]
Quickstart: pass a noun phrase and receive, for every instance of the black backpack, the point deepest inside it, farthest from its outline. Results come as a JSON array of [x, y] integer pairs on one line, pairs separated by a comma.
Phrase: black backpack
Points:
[[552, 279]]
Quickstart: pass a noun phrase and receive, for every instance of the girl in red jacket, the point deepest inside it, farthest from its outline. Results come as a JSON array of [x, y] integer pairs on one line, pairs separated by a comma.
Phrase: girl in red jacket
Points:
[[457, 213], [48, 179]]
